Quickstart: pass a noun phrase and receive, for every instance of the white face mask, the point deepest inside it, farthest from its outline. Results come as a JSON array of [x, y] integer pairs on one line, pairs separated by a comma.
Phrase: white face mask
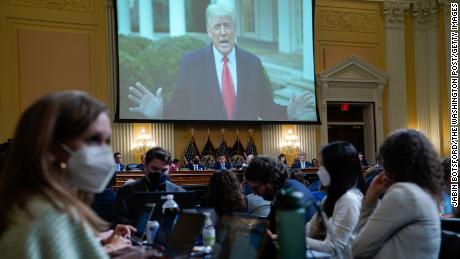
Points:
[[324, 176], [90, 167]]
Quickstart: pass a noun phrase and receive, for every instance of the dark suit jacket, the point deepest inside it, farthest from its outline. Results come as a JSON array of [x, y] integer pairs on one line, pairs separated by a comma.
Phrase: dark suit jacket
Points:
[[191, 167], [218, 167], [298, 165], [197, 94], [124, 213], [122, 167]]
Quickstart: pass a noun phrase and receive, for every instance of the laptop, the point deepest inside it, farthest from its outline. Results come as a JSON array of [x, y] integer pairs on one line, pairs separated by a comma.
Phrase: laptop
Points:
[[186, 230], [145, 214], [185, 200]]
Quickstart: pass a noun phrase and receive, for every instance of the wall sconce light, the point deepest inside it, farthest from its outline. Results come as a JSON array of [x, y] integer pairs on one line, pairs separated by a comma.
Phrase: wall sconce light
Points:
[[143, 142], [291, 144]]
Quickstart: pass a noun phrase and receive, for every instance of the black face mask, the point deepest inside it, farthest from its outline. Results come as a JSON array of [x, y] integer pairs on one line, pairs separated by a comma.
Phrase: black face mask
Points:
[[156, 177], [195, 161]]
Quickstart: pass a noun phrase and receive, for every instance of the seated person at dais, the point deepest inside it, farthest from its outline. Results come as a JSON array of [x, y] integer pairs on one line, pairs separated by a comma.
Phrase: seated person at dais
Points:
[[314, 163], [302, 163], [222, 163], [118, 159], [282, 158], [175, 165], [195, 165], [141, 165]]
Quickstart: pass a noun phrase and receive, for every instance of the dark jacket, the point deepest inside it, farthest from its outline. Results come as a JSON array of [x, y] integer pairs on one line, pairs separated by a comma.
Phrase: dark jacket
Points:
[[197, 94], [123, 211]]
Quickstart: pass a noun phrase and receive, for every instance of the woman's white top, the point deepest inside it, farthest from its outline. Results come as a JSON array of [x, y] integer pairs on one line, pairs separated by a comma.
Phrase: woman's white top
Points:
[[343, 223]]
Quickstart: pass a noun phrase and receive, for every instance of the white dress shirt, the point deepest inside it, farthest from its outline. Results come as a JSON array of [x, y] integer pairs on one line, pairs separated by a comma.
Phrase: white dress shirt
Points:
[[219, 61]]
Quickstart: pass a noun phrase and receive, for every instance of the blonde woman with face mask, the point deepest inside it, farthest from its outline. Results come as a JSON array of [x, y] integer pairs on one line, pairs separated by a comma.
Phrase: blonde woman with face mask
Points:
[[59, 158]]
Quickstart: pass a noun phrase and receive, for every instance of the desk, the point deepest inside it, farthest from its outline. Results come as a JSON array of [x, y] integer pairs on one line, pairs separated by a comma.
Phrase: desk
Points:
[[181, 178], [309, 174], [193, 178]]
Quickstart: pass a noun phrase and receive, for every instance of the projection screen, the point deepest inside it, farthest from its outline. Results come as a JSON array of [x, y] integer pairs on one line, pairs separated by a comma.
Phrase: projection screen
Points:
[[233, 60]]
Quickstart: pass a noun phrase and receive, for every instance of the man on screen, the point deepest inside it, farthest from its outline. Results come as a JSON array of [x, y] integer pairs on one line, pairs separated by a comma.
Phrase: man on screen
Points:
[[221, 82]]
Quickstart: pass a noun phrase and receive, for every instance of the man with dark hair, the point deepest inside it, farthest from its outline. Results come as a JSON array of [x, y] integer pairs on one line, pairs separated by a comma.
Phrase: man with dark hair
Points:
[[266, 177], [195, 165], [141, 165], [222, 164], [156, 168], [118, 165]]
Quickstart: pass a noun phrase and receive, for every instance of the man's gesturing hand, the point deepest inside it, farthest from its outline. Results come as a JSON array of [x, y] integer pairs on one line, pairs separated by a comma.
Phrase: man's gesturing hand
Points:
[[148, 104], [302, 107]]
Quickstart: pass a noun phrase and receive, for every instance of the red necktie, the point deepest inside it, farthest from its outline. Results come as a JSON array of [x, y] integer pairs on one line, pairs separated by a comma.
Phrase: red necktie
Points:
[[228, 91]]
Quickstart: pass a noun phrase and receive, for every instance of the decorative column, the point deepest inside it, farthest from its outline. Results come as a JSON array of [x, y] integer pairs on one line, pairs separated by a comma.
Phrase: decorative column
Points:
[[163, 135], [445, 118], [396, 63], [124, 22], [146, 23], [307, 137], [445, 8], [323, 112], [272, 137], [379, 115], [426, 70], [177, 18]]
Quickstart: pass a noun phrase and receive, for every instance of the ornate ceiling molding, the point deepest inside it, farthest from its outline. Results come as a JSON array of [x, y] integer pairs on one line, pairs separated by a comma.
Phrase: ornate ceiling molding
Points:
[[394, 11], [72, 5], [347, 21], [422, 10]]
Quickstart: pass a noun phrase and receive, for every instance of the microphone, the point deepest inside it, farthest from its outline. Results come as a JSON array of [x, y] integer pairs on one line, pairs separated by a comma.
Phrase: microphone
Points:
[[328, 227]]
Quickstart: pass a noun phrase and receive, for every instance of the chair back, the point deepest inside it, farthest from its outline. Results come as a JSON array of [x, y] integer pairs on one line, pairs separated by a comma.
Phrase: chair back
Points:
[[450, 245], [319, 196]]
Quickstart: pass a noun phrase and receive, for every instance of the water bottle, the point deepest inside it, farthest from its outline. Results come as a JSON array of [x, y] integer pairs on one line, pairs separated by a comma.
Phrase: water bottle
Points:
[[290, 221], [152, 230], [208, 232], [170, 207], [170, 211]]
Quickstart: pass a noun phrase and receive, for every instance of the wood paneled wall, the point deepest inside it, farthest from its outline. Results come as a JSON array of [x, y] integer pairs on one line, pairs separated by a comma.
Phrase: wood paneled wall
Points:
[[49, 46]]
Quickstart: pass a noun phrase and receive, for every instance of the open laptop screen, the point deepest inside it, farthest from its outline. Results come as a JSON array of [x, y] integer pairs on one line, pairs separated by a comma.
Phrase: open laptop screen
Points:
[[141, 223], [184, 233]]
